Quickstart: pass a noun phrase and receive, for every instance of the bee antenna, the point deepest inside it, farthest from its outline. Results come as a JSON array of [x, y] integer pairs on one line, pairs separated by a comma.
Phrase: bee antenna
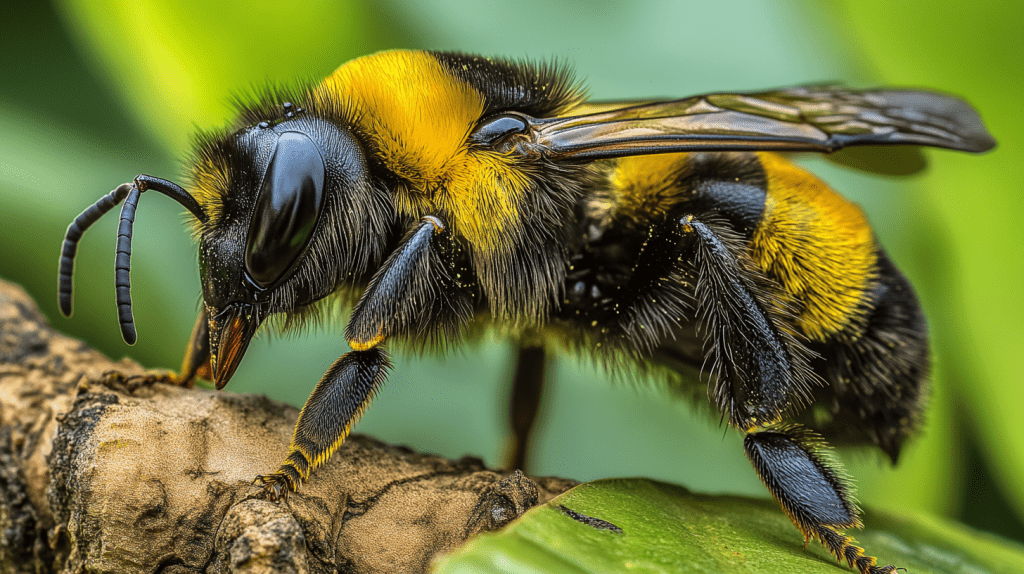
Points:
[[129, 193], [173, 191], [123, 266], [74, 235], [123, 260]]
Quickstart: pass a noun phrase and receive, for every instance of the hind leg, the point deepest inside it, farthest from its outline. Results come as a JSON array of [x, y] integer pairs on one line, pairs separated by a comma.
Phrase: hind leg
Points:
[[527, 387], [798, 469], [763, 376]]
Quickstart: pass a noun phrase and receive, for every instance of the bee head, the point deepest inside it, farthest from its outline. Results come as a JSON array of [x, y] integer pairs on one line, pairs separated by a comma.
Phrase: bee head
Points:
[[293, 213], [284, 211]]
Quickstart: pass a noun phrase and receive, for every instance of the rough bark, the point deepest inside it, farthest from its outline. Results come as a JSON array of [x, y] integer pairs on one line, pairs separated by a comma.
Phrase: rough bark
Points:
[[102, 469]]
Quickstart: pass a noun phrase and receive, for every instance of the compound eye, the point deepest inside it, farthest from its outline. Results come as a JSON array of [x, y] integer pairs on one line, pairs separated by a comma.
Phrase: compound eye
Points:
[[494, 128], [286, 210]]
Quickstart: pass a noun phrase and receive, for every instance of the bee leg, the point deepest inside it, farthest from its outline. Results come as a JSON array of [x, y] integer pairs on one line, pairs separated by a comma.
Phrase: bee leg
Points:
[[197, 355], [798, 469], [762, 373], [401, 290], [337, 402], [527, 386], [389, 305], [195, 364], [761, 370]]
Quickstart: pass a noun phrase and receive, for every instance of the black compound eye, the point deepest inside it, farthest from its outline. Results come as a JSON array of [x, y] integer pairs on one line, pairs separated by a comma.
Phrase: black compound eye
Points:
[[494, 128], [286, 210]]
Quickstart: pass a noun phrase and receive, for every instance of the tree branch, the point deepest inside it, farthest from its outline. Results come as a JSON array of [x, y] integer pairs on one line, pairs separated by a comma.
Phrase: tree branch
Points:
[[103, 469]]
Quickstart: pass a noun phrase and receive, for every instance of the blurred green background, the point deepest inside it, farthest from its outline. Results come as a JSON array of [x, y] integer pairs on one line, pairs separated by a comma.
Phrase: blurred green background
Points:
[[94, 93]]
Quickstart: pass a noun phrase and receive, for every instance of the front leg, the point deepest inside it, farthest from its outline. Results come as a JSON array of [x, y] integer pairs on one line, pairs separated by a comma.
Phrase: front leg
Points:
[[400, 291], [337, 402], [395, 300], [798, 468], [196, 363]]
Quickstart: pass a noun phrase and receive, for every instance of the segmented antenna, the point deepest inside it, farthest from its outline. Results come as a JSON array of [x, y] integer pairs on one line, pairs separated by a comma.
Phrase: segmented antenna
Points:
[[74, 235], [123, 266], [129, 193]]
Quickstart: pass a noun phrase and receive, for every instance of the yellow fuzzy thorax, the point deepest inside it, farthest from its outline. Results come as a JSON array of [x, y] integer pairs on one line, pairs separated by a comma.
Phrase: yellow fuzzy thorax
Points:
[[817, 244], [417, 116]]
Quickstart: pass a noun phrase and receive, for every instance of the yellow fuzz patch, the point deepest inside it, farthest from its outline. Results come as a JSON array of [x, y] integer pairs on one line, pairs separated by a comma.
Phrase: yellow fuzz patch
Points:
[[209, 183], [417, 117], [646, 186], [817, 244], [484, 192], [417, 114]]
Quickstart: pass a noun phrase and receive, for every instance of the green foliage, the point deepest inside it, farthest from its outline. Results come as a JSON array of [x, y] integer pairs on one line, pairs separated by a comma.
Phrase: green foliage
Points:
[[666, 528], [187, 58]]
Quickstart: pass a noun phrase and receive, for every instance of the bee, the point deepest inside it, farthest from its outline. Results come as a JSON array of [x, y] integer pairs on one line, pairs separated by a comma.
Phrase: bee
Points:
[[443, 194]]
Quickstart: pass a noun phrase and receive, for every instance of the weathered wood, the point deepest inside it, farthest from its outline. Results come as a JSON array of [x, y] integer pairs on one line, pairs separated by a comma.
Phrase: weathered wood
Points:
[[105, 469]]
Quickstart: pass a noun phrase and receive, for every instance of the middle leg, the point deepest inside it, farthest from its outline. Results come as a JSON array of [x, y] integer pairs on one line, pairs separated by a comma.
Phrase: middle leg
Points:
[[527, 388]]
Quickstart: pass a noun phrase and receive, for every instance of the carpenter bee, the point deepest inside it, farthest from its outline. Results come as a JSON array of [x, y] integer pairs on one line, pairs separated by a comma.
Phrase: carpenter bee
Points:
[[445, 193]]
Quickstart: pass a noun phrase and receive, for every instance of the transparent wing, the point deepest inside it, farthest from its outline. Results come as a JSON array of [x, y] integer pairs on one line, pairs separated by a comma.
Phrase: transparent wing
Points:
[[806, 118]]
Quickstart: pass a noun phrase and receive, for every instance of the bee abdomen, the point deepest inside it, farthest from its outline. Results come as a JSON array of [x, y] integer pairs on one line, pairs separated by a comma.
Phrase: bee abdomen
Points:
[[812, 253], [817, 246], [810, 241], [878, 375]]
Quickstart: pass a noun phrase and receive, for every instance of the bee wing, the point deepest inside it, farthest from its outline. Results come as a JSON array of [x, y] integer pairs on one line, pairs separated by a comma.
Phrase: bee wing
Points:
[[806, 118]]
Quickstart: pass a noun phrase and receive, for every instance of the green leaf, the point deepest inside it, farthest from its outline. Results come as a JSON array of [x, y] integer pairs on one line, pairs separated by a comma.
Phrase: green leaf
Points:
[[666, 528]]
